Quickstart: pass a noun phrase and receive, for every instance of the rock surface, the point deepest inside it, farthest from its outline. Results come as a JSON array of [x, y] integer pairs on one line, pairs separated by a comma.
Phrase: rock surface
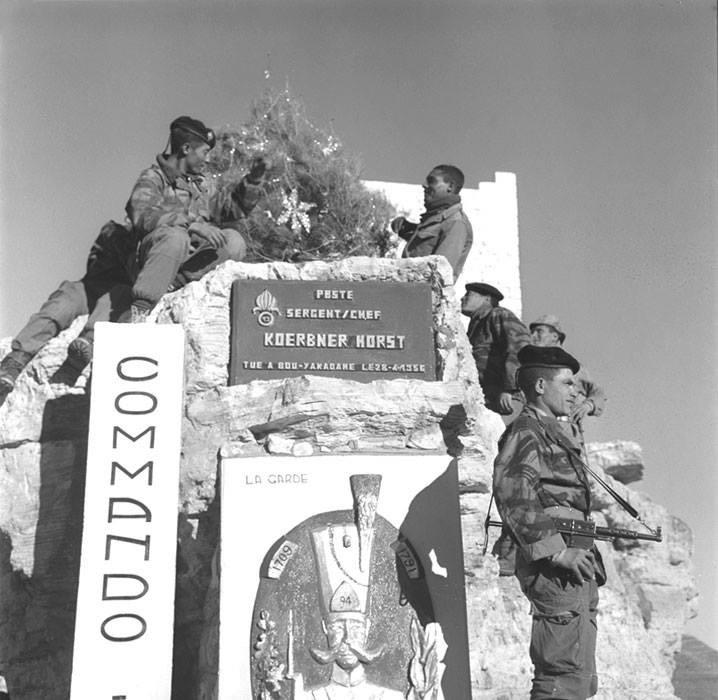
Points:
[[620, 459], [43, 427]]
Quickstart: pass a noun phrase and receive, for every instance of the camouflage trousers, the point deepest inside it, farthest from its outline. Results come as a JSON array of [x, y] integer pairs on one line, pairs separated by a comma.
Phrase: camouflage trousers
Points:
[[563, 634], [168, 251], [102, 293]]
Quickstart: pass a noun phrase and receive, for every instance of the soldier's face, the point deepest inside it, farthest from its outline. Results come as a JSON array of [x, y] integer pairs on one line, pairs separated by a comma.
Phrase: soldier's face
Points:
[[559, 392], [472, 302], [543, 335], [435, 188], [196, 157]]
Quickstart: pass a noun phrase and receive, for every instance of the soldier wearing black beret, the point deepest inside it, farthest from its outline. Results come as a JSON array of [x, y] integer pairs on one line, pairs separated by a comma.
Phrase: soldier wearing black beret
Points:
[[537, 477], [496, 335], [175, 231]]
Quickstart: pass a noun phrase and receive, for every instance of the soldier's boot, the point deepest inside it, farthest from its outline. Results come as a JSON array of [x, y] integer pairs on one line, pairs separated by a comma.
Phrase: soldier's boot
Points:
[[79, 352], [12, 364]]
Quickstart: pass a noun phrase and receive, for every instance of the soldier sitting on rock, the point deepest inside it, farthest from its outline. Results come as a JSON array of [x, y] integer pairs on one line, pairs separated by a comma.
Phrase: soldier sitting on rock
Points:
[[444, 229], [176, 231]]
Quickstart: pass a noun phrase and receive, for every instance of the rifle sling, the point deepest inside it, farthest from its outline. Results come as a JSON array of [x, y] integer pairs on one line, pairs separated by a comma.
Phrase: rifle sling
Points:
[[563, 441]]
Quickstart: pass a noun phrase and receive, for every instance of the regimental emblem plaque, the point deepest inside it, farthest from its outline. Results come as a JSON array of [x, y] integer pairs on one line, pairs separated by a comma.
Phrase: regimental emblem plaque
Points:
[[351, 330], [342, 578]]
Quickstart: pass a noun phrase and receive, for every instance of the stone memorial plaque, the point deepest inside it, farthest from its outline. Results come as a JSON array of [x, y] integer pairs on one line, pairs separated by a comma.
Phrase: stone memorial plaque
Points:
[[342, 577], [125, 599], [351, 330]]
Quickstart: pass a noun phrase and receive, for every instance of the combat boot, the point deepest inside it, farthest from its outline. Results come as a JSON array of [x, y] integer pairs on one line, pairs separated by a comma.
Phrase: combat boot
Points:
[[12, 364], [79, 353]]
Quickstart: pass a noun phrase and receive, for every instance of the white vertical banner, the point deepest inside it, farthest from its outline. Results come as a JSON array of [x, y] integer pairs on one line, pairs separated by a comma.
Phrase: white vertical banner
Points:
[[125, 600]]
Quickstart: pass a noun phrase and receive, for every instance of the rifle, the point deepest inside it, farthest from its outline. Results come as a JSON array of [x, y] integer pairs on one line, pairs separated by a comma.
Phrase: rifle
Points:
[[582, 533]]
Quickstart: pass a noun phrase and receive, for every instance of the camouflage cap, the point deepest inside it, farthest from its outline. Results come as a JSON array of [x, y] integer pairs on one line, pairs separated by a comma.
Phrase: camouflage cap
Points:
[[483, 288], [553, 356], [194, 127], [551, 321]]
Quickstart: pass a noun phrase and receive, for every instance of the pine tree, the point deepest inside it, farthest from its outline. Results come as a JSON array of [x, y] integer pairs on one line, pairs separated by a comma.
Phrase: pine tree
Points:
[[314, 206]]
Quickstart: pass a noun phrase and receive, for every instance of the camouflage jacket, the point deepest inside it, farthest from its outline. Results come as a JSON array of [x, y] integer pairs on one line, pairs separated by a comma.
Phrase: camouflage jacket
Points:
[[162, 196], [588, 389], [534, 470], [446, 232], [495, 339]]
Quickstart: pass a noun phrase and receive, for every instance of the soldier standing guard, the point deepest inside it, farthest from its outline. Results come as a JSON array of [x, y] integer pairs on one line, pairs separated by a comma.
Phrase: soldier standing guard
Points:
[[537, 476], [496, 335]]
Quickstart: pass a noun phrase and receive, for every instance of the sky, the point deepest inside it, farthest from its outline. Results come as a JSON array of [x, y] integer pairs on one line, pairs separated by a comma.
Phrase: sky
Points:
[[604, 109]]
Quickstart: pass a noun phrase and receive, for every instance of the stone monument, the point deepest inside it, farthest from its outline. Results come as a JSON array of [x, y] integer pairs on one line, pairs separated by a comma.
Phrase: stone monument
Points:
[[43, 428]]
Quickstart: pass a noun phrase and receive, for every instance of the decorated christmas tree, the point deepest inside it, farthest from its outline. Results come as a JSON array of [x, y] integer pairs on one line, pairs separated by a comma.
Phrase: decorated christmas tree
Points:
[[315, 206]]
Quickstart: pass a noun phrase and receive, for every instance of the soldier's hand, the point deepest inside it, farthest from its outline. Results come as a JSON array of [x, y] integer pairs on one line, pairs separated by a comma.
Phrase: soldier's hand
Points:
[[258, 168], [579, 562], [506, 404], [207, 232], [580, 411]]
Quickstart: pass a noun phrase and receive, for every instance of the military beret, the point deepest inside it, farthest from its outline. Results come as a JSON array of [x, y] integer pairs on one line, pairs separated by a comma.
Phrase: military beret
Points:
[[195, 127], [483, 288], [553, 356], [553, 322]]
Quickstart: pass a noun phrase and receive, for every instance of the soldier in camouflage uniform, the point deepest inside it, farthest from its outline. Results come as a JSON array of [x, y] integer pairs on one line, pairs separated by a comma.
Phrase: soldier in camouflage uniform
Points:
[[168, 240], [101, 293], [546, 331], [537, 477], [182, 224], [496, 335]]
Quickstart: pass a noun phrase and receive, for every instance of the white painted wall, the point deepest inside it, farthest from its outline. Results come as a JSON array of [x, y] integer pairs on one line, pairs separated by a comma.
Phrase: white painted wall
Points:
[[492, 208]]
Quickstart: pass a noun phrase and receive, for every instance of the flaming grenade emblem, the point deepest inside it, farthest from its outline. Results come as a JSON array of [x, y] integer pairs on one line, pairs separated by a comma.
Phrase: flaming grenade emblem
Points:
[[265, 308]]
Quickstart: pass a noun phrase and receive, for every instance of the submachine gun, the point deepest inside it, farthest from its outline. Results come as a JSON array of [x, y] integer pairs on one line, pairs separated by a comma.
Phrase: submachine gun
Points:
[[583, 533]]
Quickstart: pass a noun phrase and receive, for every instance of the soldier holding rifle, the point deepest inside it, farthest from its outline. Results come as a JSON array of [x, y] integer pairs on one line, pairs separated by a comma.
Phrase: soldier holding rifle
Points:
[[538, 477]]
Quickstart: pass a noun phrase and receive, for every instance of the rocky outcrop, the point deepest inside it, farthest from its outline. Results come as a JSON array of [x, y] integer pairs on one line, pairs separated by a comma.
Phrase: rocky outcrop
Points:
[[620, 459], [43, 427]]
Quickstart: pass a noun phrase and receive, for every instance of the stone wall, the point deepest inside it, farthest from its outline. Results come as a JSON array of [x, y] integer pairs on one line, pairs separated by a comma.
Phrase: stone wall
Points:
[[43, 428]]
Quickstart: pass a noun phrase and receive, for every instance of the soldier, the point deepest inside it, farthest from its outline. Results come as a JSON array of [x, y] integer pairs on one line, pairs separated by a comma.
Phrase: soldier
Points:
[[496, 335], [546, 331], [537, 477], [169, 240], [181, 224], [444, 229]]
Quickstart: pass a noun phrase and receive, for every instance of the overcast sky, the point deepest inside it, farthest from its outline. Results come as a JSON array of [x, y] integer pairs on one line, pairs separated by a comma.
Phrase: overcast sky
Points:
[[605, 110]]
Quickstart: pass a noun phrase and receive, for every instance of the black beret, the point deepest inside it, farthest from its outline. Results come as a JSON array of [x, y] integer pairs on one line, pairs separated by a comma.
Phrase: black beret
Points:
[[195, 127], [483, 288], [552, 356]]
